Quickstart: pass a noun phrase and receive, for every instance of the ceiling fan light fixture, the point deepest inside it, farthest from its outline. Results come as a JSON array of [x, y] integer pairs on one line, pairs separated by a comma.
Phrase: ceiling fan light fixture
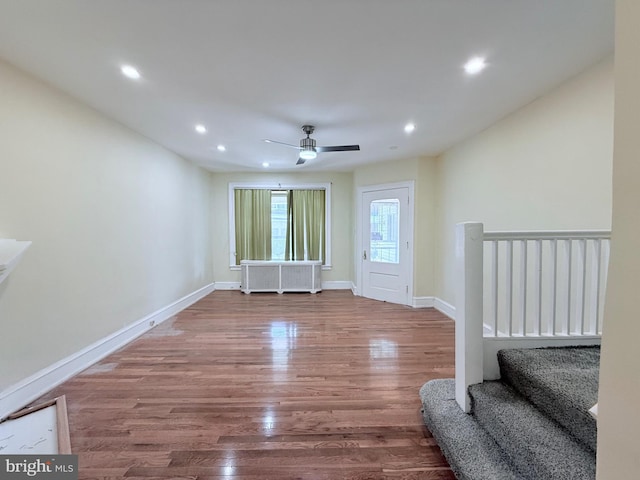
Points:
[[475, 65], [308, 153], [130, 72]]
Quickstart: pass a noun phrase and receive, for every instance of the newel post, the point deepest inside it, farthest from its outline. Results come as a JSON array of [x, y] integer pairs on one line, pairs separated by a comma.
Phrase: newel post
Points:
[[469, 239]]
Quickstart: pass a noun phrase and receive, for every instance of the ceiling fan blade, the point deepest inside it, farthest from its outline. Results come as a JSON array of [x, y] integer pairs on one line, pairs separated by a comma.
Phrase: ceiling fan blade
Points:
[[300, 161], [342, 148], [297, 147]]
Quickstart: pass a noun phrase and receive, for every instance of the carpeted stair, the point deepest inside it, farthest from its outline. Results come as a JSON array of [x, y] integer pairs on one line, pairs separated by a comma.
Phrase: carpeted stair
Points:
[[470, 451], [531, 425], [561, 382]]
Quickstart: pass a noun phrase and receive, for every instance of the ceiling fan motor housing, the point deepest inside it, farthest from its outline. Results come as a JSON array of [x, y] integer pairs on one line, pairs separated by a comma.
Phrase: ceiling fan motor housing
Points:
[[308, 144]]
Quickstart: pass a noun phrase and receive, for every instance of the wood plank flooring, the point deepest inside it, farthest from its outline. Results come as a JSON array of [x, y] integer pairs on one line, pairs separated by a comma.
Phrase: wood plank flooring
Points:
[[266, 386]]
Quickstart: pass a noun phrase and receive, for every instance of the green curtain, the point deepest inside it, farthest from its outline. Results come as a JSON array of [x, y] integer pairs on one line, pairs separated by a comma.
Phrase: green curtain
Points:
[[253, 224], [314, 234], [306, 225]]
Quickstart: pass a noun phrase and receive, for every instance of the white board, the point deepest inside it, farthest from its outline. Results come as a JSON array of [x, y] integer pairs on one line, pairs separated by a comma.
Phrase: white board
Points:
[[31, 434], [39, 430]]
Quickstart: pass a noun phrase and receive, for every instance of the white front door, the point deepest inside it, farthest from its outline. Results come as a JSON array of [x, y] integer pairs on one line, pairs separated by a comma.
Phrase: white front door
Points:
[[386, 256]]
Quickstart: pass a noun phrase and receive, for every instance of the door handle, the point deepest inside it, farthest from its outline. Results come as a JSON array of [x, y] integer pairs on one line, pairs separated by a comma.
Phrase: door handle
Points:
[[364, 255]]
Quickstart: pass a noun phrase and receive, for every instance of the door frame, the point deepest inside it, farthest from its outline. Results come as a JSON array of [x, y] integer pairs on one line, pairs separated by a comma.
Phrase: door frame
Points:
[[410, 184]]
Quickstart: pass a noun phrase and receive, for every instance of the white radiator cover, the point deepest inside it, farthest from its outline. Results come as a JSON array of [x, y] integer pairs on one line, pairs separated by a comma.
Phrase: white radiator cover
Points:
[[277, 276]]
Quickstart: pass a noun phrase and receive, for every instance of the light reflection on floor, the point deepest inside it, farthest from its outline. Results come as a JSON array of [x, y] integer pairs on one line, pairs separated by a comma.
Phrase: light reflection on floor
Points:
[[268, 421], [383, 356], [381, 348], [228, 468], [284, 336]]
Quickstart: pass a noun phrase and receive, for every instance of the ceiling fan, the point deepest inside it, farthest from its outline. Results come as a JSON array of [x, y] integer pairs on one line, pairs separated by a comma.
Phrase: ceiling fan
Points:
[[309, 150]]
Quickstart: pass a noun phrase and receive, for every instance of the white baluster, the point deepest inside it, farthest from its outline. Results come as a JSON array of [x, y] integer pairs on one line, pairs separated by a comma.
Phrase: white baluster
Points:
[[523, 287], [566, 324], [509, 284], [582, 317], [554, 283], [494, 282], [538, 328]]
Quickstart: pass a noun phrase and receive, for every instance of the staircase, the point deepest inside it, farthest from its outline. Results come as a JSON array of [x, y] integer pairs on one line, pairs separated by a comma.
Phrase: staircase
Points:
[[533, 424]]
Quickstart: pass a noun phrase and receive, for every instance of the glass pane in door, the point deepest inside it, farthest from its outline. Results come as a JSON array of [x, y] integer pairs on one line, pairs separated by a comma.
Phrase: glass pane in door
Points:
[[385, 230]]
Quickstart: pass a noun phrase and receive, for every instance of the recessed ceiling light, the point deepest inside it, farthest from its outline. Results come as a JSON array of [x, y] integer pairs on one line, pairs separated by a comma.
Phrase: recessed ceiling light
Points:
[[130, 72], [409, 127], [265, 164], [201, 129], [222, 148], [475, 65]]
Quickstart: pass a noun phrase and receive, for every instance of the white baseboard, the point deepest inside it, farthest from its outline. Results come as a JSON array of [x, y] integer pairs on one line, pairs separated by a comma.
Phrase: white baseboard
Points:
[[227, 285], [20, 394], [354, 289], [337, 285], [422, 302], [444, 307]]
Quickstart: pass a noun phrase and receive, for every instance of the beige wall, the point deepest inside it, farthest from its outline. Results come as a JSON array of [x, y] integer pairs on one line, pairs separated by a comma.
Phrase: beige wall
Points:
[[341, 218], [619, 420], [120, 227], [422, 172], [544, 167]]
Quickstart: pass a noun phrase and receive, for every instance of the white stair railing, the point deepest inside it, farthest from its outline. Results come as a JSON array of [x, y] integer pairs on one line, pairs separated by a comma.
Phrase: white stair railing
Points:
[[544, 283], [524, 289]]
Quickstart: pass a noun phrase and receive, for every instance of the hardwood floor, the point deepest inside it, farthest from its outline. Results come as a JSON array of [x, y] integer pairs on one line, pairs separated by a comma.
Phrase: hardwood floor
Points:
[[266, 386]]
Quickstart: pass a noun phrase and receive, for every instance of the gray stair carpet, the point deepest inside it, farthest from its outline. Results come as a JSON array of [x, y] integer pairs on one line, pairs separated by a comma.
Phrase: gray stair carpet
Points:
[[538, 447], [562, 382], [470, 451]]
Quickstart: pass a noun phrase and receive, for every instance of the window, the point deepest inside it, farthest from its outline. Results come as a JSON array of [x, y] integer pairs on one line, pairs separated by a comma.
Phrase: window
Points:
[[279, 223]]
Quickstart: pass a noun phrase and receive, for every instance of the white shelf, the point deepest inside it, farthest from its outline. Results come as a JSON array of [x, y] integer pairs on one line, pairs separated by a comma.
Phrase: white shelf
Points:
[[10, 253]]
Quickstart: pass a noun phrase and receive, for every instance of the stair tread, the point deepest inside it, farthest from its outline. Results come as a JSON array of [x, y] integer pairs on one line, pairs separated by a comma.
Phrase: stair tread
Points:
[[562, 382], [536, 444], [470, 451]]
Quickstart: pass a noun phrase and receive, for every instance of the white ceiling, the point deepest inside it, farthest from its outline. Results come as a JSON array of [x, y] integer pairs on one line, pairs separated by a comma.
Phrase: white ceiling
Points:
[[356, 69]]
